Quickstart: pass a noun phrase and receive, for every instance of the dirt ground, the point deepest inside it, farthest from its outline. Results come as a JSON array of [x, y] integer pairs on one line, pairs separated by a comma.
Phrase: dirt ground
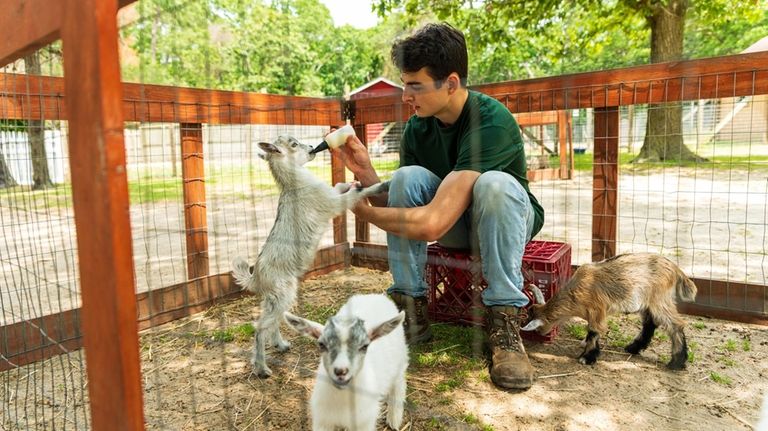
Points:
[[197, 375]]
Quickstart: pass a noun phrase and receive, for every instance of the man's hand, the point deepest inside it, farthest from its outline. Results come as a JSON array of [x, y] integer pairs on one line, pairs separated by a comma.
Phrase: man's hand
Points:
[[355, 157]]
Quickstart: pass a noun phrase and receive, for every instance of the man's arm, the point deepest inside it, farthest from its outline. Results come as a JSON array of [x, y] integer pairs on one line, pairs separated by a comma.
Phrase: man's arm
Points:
[[355, 157], [429, 222]]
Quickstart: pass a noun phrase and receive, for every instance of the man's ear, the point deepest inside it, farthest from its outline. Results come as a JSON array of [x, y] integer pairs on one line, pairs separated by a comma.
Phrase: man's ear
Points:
[[453, 82]]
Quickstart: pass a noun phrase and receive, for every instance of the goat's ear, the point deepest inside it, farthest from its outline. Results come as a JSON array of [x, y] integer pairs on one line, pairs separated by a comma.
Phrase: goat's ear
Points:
[[533, 325], [303, 326], [386, 327], [269, 148]]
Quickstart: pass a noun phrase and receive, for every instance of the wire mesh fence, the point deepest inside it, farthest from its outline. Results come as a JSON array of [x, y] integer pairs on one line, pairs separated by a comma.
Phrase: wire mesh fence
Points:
[[200, 195]]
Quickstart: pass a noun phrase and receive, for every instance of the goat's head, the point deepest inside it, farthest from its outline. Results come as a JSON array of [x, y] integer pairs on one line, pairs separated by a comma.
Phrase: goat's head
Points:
[[537, 320], [287, 149], [343, 342], [536, 317]]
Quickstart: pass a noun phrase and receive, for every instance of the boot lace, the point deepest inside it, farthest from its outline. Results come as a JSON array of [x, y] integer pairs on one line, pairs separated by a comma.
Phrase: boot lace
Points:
[[505, 332]]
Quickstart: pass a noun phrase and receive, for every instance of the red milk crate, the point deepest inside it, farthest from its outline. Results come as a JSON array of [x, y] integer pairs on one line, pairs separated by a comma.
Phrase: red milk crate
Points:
[[455, 281]]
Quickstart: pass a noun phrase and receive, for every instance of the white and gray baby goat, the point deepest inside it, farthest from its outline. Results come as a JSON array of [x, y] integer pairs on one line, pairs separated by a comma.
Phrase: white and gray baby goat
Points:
[[641, 282], [363, 359], [305, 207]]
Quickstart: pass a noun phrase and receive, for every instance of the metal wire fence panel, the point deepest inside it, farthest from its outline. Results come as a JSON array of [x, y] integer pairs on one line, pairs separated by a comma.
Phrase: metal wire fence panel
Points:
[[39, 281], [201, 195]]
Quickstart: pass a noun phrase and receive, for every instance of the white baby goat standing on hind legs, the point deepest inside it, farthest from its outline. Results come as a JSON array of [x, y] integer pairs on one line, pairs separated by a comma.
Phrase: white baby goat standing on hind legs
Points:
[[305, 207], [642, 283], [363, 359]]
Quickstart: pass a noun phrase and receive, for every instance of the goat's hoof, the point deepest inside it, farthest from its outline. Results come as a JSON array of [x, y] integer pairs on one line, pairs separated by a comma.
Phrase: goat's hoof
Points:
[[394, 417], [263, 372], [394, 424], [676, 366], [587, 360], [633, 349], [282, 348]]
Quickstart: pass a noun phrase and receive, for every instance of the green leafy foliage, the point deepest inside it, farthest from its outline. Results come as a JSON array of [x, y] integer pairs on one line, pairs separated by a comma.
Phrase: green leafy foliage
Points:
[[293, 47], [278, 47], [516, 39]]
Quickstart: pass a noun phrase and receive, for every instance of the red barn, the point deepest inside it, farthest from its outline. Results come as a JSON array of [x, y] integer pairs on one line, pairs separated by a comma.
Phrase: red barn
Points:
[[381, 137]]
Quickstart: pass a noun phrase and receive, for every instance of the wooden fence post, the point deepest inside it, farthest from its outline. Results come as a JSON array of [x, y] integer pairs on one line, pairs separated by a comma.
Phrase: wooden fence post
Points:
[[100, 200], [605, 169], [362, 229], [566, 144], [195, 221]]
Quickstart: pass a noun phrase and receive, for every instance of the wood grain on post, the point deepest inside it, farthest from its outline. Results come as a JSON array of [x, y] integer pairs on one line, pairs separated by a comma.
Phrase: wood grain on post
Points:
[[100, 200], [566, 144], [29, 25], [605, 171], [362, 229], [195, 216]]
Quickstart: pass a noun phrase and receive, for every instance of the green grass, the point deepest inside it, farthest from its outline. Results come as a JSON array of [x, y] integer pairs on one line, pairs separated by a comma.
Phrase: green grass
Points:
[[460, 343], [616, 336], [155, 190], [583, 162], [471, 419], [730, 345], [577, 330], [156, 186], [718, 378], [239, 333], [383, 166], [317, 313], [746, 345], [434, 424], [699, 325], [728, 362], [58, 196], [453, 382], [456, 353], [693, 346]]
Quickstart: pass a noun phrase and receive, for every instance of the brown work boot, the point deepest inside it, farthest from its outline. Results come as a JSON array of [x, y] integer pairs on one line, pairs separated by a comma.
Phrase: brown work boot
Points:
[[510, 367], [416, 324]]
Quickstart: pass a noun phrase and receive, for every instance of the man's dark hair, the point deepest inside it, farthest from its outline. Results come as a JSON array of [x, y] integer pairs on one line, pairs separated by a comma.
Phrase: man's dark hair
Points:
[[438, 47]]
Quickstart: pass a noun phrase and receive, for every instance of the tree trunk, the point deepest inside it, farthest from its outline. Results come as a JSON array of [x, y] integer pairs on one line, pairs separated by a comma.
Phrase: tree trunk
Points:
[[36, 131], [664, 129], [6, 179]]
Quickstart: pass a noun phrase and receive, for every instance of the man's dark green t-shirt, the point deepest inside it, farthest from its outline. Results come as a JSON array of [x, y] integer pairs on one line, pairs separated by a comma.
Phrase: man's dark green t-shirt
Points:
[[484, 138]]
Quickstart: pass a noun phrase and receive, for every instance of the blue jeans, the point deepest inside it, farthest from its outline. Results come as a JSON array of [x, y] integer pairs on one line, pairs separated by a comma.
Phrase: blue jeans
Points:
[[497, 224]]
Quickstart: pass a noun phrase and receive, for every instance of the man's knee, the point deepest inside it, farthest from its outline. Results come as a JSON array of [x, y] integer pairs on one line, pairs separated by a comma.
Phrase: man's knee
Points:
[[412, 186], [499, 190], [408, 174]]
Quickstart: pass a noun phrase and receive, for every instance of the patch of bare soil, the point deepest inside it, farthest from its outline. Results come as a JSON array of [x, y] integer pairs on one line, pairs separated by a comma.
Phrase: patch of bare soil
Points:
[[197, 375]]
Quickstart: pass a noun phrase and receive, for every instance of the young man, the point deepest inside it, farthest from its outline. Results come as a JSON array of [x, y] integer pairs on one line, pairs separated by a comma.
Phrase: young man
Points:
[[461, 182]]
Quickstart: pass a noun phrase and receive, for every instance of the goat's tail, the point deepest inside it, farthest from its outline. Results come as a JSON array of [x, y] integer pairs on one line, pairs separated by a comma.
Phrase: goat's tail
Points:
[[686, 289], [242, 273]]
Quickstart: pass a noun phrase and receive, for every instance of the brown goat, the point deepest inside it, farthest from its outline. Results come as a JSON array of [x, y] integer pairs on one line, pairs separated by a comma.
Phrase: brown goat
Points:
[[642, 283]]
